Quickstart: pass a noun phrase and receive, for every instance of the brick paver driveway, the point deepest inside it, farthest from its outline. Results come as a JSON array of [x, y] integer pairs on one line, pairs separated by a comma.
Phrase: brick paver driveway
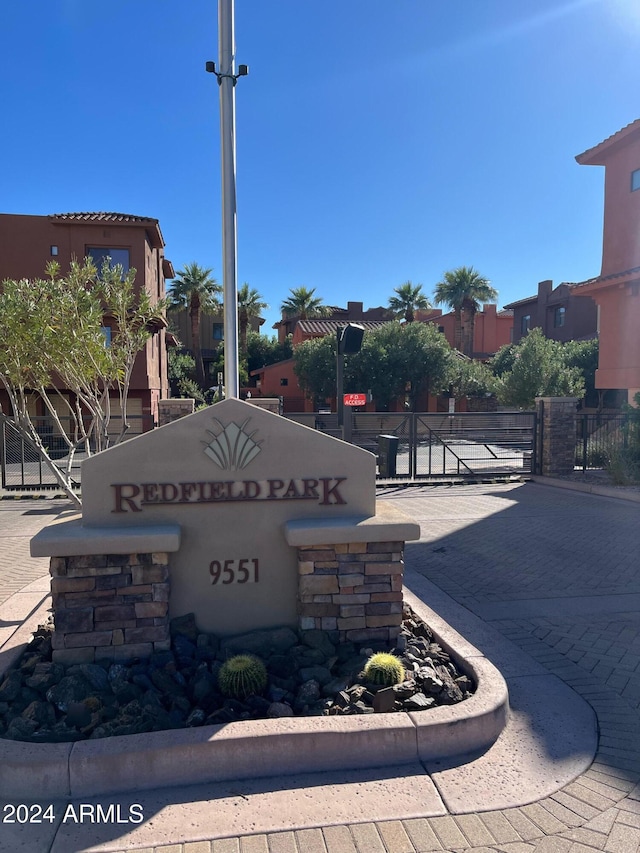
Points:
[[19, 521], [558, 573]]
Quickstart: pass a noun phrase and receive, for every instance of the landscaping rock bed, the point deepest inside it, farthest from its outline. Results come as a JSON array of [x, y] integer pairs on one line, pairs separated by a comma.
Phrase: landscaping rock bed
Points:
[[43, 701]]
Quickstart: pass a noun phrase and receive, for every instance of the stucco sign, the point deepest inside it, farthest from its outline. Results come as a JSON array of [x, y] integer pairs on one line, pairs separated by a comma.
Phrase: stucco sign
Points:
[[230, 475]]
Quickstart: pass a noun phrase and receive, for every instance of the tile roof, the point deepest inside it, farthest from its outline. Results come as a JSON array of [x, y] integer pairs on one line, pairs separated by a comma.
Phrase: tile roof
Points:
[[328, 326], [101, 217], [570, 284], [609, 277], [522, 301], [630, 128]]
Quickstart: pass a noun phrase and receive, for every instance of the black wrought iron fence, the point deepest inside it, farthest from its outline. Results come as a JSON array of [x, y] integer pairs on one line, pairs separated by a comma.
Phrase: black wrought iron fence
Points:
[[599, 436], [22, 464]]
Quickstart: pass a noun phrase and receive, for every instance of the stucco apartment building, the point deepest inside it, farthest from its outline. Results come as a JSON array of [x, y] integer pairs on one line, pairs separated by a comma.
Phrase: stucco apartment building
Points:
[[28, 243], [616, 291], [492, 329], [564, 313]]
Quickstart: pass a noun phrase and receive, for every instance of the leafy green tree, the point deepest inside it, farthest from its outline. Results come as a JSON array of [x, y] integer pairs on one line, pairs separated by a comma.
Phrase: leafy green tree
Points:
[[181, 368], [584, 356], [250, 305], [315, 366], [196, 290], [263, 350], [503, 361], [53, 346], [394, 361], [408, 299], [304, 304], [539, 370], [217, 366], [471, 378], [380, 365], [398, 361], [427, 360], [464, 289]]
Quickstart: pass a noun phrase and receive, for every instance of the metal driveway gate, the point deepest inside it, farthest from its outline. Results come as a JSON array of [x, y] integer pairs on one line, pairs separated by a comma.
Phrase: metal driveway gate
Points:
[[473, 444], [439, 446]]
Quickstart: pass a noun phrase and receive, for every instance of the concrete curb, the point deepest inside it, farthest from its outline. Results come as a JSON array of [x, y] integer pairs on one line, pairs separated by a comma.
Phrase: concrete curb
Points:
[[259, 748], [587, 488]]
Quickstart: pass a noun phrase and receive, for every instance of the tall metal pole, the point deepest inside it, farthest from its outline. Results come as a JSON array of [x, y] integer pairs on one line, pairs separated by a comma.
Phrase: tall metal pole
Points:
[[340, 379], [227, 81]]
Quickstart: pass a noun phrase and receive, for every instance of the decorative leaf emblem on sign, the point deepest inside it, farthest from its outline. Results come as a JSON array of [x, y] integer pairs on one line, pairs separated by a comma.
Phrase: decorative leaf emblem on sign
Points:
[[232, 448]]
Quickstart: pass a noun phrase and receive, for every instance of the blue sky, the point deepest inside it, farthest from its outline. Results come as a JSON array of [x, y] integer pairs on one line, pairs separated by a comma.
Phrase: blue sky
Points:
[[376, 141]]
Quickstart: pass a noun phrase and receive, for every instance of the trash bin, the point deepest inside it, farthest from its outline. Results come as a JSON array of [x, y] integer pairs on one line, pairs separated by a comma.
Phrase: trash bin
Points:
[[387, 453]]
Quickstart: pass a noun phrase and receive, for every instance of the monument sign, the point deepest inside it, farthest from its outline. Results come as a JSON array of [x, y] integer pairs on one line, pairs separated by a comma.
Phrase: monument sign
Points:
[[230, 476]]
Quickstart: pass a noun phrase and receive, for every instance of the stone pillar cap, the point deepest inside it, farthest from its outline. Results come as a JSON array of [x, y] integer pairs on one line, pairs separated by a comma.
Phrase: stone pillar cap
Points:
[[389, 524], [71, 538]]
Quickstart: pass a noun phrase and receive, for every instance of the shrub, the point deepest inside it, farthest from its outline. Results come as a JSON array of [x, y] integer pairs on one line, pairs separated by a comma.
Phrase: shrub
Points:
[[384, 669], [623, 466], [242, 676]]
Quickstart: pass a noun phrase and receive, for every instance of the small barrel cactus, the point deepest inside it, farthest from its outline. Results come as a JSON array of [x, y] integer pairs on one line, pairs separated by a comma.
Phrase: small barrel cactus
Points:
[[242, 676], [384, 669]]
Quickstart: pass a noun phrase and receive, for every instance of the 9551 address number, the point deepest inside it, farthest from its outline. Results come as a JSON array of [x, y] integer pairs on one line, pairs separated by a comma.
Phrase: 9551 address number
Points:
[[234, 571]]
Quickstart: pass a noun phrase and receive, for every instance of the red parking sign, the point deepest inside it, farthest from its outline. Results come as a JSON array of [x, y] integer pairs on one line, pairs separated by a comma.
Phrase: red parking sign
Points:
[[355, 399]]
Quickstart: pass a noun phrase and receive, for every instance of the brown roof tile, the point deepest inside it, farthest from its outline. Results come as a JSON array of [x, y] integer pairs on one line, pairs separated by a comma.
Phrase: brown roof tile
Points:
[[328, 326], [570, 284], [587, 156], [101, 217], [609, 277]]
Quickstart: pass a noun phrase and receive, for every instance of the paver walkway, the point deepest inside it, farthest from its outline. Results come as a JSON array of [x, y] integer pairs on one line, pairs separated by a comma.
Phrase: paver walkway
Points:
[[19, 521], [558, 573]]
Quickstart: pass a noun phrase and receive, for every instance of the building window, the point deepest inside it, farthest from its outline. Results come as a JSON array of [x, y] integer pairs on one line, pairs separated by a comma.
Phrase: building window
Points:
[[106, 331], [635, 180], [218, 332], [525, 324], [558, 317], [99, 254], [284, 381], [53, 251]]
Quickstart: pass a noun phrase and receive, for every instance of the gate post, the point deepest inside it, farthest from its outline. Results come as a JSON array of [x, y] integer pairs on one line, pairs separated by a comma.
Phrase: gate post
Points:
[[557, 423]]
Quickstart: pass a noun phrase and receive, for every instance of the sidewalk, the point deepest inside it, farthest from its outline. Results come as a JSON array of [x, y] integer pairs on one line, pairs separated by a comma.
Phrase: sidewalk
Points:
[[551, 571]]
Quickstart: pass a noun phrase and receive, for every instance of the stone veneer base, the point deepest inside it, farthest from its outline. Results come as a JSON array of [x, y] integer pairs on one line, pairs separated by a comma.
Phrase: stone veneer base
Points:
[[260, 748], [350, 573], [110, 607]]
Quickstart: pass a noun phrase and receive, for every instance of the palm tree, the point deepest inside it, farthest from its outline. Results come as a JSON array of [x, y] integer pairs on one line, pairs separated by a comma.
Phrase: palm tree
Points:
[[408, 300], [302, 303], [195, 289], [464, 289], [250, 305]]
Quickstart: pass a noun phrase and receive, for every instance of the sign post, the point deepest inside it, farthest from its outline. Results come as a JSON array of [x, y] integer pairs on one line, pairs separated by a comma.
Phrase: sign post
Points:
[[349, 342]]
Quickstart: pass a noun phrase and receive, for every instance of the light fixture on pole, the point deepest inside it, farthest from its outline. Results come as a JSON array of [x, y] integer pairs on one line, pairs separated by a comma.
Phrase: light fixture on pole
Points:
[[227, 81]]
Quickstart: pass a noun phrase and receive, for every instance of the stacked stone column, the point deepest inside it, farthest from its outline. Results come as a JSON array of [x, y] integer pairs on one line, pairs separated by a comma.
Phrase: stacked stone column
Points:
[[557, 421], [109, 606], [175, 408], [355, 589]]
